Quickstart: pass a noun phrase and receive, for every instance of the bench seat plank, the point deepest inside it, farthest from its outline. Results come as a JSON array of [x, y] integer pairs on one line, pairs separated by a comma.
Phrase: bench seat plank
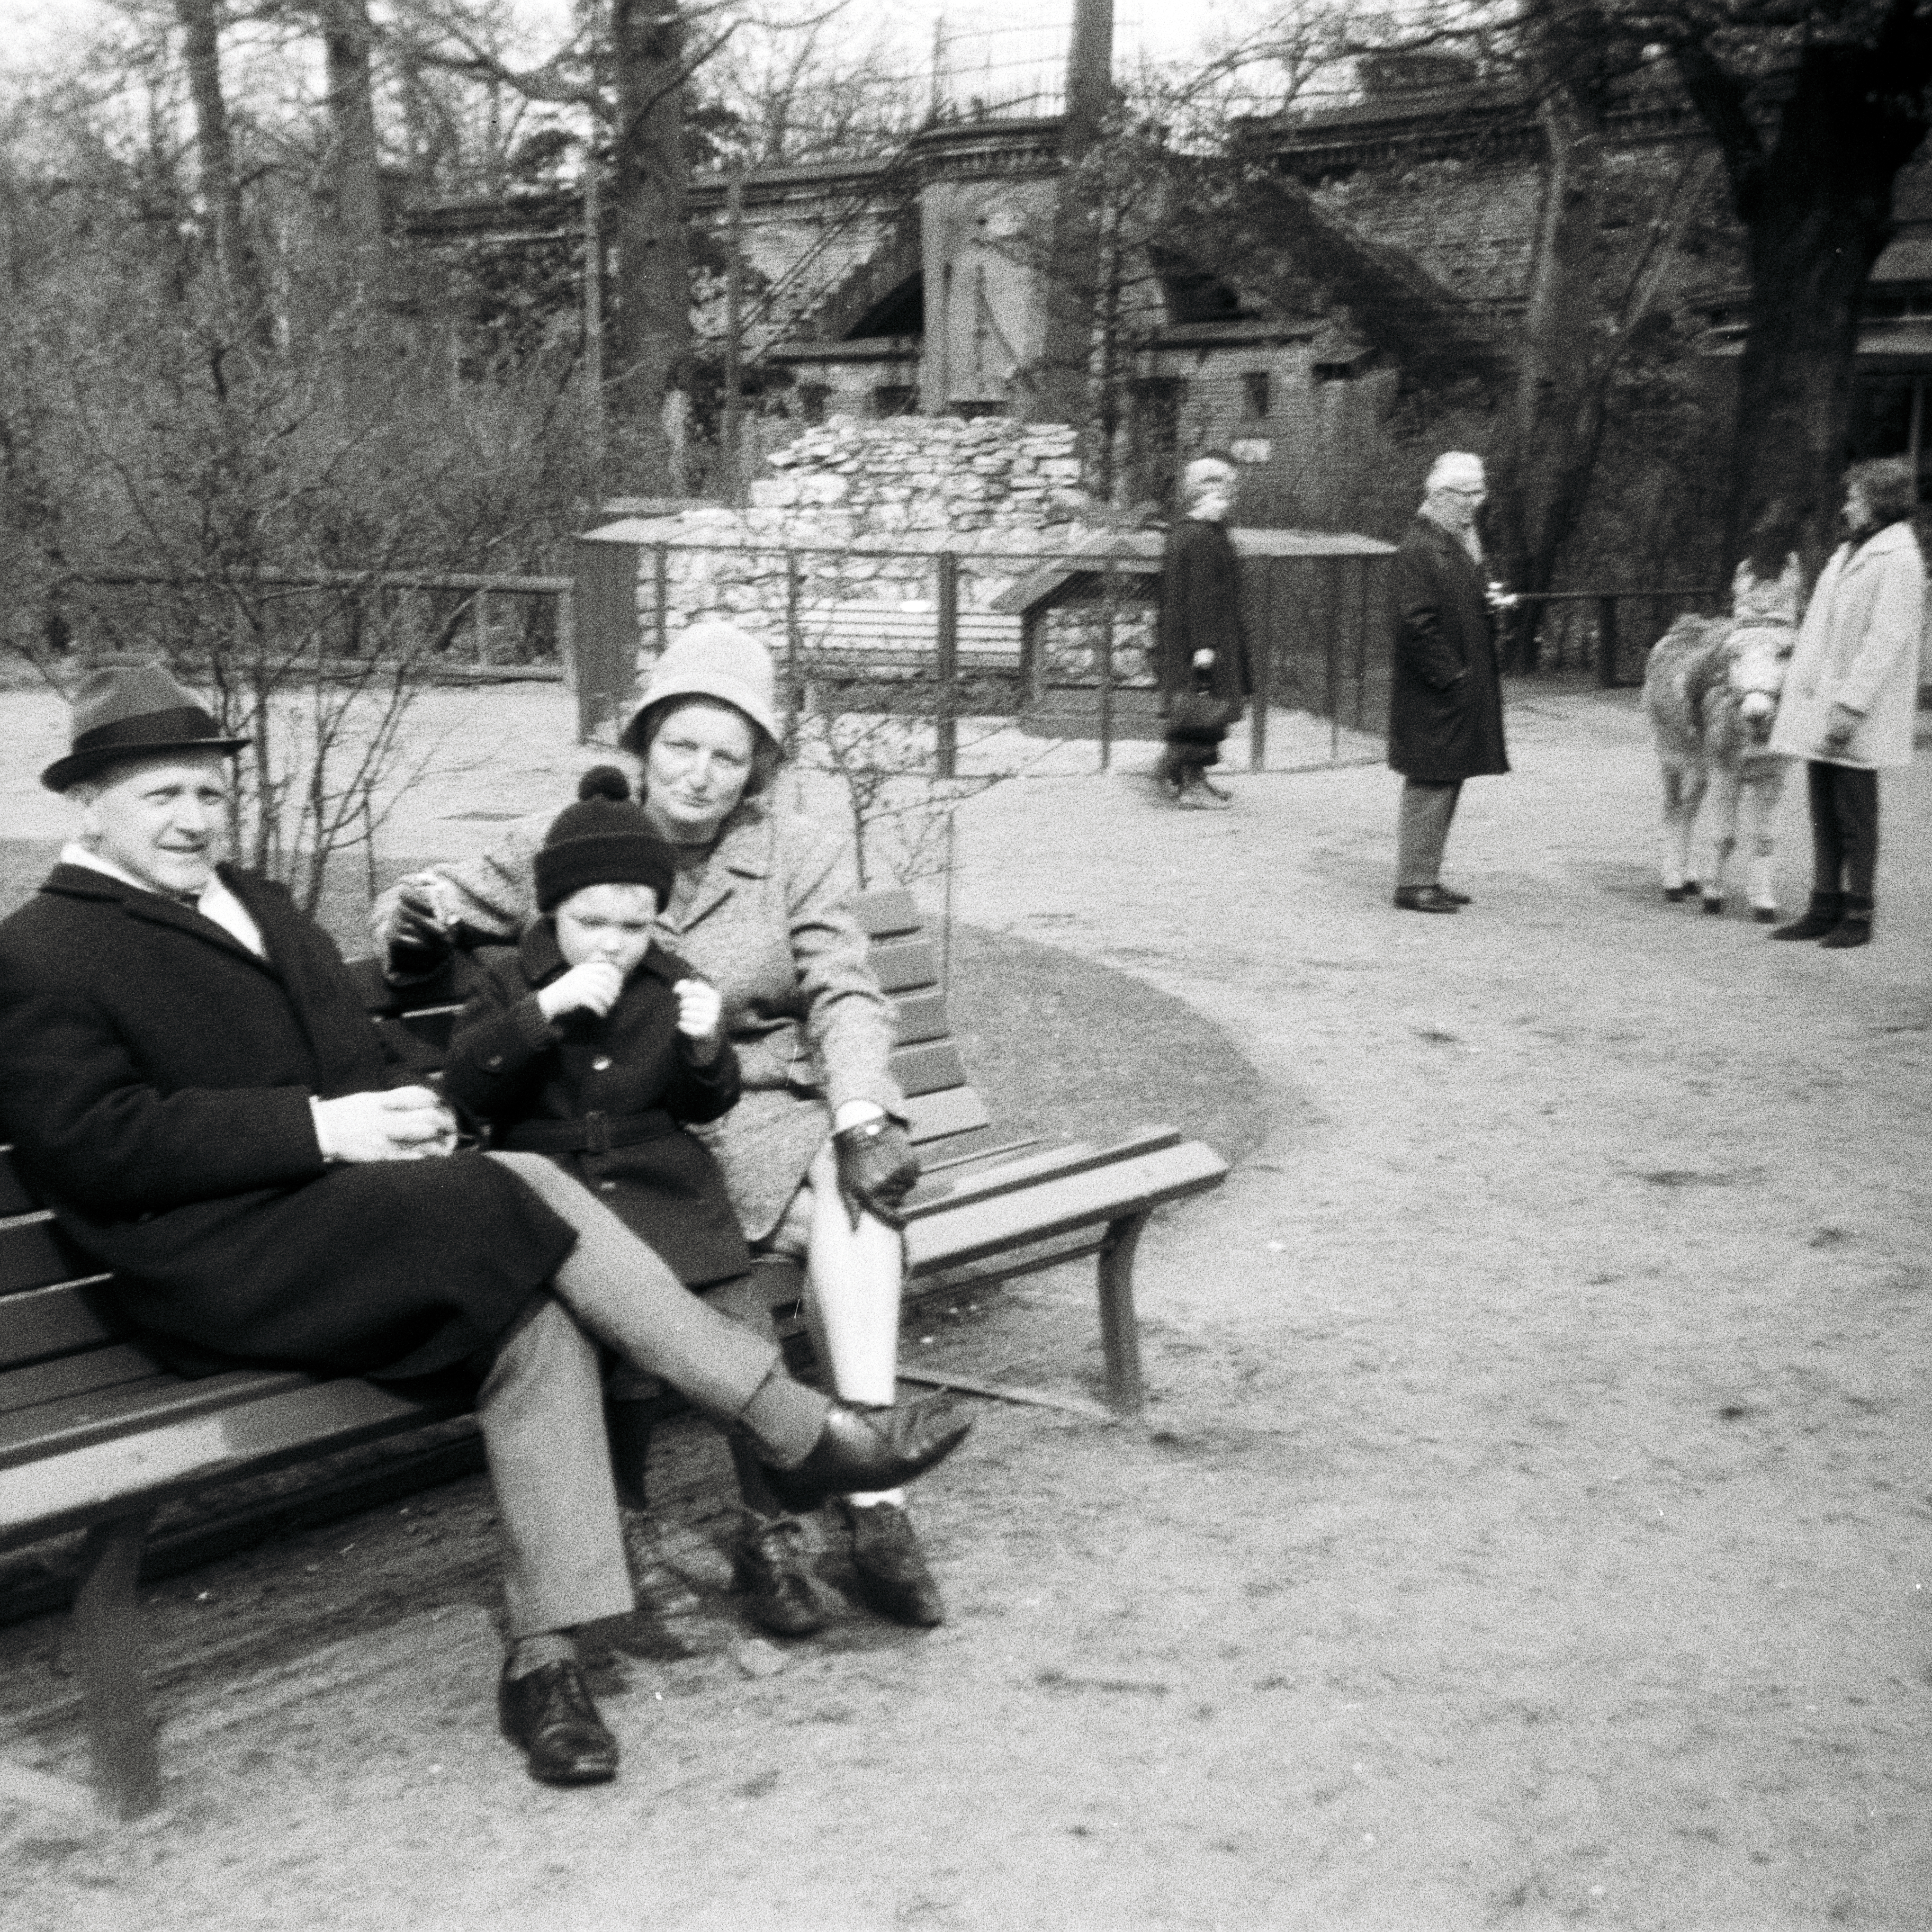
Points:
[[974, 1229], [35, 1253], [75, 1375], [904, 964], [920, 1017], [49, 1321], [100, 1415], [1011, 1175], [14, 1197], [881, 914], [87, 1484], [930, 1069], [933, 1116]]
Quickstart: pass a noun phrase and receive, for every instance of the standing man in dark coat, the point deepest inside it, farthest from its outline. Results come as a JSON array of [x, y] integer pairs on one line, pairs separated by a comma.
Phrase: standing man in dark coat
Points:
[[189, 1079], [1445, 695], [1202, 649]]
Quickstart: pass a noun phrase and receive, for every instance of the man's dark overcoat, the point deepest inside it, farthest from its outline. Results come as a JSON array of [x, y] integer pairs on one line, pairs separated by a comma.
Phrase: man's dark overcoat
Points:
[[538, 1082], [1201, 610], [155, 1078], [1445, 696]]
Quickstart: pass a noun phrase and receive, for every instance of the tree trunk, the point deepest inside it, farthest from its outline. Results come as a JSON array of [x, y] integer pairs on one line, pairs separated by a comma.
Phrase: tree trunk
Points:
[[649, 330], [237, 268], [356, 195]]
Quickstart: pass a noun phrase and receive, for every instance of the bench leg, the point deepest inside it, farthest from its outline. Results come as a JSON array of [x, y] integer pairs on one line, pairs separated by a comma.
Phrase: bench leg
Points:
[[106, 1619], [1119, 1333]]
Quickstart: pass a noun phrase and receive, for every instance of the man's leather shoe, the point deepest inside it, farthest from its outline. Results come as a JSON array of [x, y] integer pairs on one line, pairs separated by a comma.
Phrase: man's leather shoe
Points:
[[870, 1449], [1454, 897], [771, 1568], [1426, 898], [893, 1577], [548, 1714]]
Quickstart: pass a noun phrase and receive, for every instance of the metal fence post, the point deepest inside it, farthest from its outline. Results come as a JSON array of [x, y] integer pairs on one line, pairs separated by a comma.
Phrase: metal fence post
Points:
[[1606, 642], [945, 698]]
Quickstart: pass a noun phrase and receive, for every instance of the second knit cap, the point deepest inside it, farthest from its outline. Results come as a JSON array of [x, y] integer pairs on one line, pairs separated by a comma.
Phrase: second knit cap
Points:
[[603, 840]]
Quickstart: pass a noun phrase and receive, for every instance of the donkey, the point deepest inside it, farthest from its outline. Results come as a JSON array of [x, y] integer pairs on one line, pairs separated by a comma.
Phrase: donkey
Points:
[[1711, 690]]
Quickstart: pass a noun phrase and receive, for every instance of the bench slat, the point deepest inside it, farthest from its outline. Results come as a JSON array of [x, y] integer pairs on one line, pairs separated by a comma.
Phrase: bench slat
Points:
[[930, 1069], [903, 964], [75, 1375], [880, 915], [14, 1198], [87, 1484], [951, 1235], [34, 1254], [1011, 1175], [53, 1321], [921, 1017], [933, 1116], [103, 1415]]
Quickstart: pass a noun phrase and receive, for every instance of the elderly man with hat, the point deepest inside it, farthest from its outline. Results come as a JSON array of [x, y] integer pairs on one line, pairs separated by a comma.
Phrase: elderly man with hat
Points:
[[1445, 693], [815, 1156], [189, 1077]]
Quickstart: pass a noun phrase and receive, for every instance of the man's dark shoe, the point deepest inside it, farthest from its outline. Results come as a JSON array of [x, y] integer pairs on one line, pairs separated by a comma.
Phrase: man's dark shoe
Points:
[[1426, 898], [1822, 915], [773, 1572], [1854, 926], [548, 1714], [893, 1577], [870, 1449], [1454, 898]]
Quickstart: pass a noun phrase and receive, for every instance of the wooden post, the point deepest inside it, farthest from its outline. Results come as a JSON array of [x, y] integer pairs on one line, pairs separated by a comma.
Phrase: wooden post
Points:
[[734, 378], [1109, 593], [1120, 1332], [660, 593], [1361, 568], [107, 1638], [794, 651], [566, 638], [946, 697], [1607, 641], [479, 627], [1258, 585]]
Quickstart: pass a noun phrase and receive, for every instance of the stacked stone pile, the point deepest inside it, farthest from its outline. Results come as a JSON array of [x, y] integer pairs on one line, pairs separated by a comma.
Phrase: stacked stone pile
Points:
[[1003, 495]]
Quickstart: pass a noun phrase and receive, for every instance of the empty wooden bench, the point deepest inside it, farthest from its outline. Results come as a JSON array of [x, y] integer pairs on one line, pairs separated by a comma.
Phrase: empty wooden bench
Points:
[[97, 1434]]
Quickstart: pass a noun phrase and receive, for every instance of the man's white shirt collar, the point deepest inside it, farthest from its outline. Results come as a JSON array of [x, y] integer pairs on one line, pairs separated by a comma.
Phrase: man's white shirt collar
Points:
[[215, 901]]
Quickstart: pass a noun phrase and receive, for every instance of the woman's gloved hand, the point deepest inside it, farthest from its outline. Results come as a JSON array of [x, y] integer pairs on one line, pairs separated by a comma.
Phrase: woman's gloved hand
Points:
[[417, 942], [876, 1169]]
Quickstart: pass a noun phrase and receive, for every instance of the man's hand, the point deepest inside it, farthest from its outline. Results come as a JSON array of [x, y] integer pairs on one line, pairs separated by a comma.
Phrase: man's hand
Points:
[[416, 941], [1840, 727], [592, 988], [876, 1169], [405, 1123], [701, 1018]]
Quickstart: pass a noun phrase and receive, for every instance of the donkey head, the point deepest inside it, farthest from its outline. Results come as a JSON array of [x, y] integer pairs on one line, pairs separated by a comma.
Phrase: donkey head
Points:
[[1757, 654]]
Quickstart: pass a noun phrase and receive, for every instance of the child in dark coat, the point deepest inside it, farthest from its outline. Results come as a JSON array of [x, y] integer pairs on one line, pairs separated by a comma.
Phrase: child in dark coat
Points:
[[592, 1043]]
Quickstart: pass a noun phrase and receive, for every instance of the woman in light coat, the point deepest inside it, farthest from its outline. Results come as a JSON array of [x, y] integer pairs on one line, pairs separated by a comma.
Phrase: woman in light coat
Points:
[[1851, 694], [814, 1155]]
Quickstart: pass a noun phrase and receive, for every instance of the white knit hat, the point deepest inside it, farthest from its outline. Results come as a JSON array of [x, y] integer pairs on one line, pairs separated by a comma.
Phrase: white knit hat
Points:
[[1457, 469], [718, 661]]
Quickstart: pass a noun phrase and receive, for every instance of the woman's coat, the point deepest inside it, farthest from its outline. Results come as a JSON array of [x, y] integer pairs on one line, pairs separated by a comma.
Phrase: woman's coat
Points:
[[155, 1078], [538, 1082], [1859, 646], [767, 919], [1445, 693]]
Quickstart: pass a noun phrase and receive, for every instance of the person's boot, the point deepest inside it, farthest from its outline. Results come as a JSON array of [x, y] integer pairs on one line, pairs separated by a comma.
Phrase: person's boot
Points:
[[893, 1576], [1825, 910], [1854, 925], [861, 1449], [773, 1570], [549, 1715]]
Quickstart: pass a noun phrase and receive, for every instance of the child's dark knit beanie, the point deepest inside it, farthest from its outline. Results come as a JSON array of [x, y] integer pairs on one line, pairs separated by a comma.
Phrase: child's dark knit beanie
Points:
[[602, 840]]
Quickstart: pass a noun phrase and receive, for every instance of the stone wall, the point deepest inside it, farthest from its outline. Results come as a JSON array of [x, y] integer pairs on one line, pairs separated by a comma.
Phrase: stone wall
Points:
[[1004, 497]]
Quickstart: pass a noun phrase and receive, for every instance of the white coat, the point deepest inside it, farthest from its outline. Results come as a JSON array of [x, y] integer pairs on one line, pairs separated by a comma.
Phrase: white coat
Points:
[[1859, 646]]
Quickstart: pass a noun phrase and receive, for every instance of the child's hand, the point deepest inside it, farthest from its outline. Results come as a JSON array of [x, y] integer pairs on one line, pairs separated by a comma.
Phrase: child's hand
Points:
[[700, 1016], [592, 988], [1203, 660]]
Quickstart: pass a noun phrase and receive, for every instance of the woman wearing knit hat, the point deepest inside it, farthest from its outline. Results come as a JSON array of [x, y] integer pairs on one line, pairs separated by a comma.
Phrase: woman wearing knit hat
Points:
[[815, 1157]]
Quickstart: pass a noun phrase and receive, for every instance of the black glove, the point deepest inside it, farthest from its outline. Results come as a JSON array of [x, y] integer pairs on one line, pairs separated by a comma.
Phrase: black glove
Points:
[[876, 1170], [417, 944]]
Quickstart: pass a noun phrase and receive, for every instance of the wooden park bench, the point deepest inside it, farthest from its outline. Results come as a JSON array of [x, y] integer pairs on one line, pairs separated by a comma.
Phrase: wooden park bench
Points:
[[96, 1434]]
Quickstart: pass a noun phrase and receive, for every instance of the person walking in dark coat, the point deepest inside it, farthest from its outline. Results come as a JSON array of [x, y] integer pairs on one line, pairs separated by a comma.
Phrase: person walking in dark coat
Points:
[[1201, 648], [1445, 693], [188, 1077]]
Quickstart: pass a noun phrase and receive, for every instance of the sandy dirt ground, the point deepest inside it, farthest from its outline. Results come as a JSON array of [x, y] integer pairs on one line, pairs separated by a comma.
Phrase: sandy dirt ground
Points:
[[1531, 1528]]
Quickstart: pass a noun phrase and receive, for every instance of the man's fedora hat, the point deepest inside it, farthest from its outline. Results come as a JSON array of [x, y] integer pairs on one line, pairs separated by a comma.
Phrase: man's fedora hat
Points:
[[138, 712]]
